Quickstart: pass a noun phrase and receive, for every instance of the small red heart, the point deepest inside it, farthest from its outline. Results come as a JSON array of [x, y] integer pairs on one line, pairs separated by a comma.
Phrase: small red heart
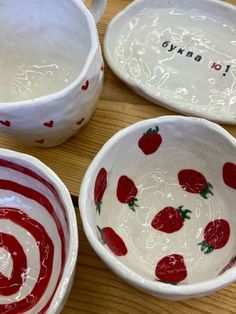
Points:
[[40, 141], [6, 123], [49, 124], [80, 121], [85, 86]]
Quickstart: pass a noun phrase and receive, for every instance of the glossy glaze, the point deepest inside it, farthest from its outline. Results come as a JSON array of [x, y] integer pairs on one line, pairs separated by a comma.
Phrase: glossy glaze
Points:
[[180, 54], [55, 72], [38, 250], [164, 204]]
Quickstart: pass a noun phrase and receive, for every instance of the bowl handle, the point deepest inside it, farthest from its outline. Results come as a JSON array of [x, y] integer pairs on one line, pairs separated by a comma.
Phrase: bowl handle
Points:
[[97, 8]]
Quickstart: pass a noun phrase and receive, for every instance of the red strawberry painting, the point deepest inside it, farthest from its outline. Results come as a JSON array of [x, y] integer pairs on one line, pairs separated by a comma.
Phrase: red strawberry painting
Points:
[[231, 263], [99, 188], [171, 269], [150, 141], [229, 174], [127, 191], [216, 235], [194, 182], [170, 219], [113, 241]]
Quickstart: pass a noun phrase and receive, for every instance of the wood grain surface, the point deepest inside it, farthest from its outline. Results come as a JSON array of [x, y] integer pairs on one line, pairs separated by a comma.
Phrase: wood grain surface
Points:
[[96, 289]]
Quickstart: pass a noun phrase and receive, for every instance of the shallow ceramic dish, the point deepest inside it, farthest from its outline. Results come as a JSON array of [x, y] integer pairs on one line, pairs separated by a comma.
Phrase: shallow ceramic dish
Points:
[[38, 236], [178, 53], [157, 205]]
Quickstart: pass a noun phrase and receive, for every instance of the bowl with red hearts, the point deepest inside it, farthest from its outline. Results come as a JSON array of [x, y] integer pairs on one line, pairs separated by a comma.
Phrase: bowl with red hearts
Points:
[[157, 205], [38, 236]]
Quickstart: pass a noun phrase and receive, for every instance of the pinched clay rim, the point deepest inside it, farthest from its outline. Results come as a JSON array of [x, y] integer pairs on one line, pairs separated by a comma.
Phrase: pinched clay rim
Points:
[[152, 287], [141, 90], [65, 282], [94, 46]]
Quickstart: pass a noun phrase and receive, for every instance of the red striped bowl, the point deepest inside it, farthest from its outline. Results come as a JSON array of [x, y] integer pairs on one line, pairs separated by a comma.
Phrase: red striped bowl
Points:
[[38, 236]]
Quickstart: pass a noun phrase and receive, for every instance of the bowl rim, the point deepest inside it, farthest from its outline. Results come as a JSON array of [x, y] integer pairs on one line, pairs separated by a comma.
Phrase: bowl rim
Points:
[[70, 264], [142, 90], [94, 46], [153, 287]]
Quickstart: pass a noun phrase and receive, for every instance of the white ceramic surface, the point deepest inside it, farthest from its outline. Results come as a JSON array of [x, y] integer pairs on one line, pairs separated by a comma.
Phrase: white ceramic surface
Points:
[[52, 68], [39, 236], [157, 205], [180, 54]]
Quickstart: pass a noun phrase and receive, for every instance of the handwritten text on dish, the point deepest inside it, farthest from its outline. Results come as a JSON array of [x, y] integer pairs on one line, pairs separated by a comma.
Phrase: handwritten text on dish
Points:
[[189, 54]]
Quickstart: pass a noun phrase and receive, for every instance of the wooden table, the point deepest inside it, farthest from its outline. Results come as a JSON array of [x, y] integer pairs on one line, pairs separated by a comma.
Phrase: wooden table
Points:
[[96, 289]]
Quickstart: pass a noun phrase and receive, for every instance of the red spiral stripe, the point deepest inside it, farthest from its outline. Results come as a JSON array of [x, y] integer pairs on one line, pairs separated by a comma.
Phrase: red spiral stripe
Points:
[[9, 286], [11, 165], [43, 201], [46, 249]]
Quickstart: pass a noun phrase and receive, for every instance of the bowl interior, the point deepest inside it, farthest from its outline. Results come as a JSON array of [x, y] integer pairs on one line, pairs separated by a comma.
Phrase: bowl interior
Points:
[[161, 198], [35, 246], [167, 51], [45, 46]]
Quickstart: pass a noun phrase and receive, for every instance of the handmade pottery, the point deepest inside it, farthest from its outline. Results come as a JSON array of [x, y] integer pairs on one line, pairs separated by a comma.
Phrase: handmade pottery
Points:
[[180, 54], [52, 73], [157, 205], [39, 237]]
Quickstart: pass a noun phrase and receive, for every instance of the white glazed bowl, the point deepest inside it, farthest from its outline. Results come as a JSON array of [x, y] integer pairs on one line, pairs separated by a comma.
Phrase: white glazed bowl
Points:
[[157, 205], [33, 39], [170, 52], [39, 237]]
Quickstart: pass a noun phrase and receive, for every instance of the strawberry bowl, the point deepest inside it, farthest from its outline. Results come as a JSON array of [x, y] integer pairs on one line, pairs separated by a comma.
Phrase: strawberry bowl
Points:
[[157, 206], [38, 236]]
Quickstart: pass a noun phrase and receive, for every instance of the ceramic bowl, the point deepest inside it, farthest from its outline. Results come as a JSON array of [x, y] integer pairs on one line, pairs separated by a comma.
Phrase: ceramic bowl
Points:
[[38, 236], [157, 205], [179, 54], [52, 69]]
